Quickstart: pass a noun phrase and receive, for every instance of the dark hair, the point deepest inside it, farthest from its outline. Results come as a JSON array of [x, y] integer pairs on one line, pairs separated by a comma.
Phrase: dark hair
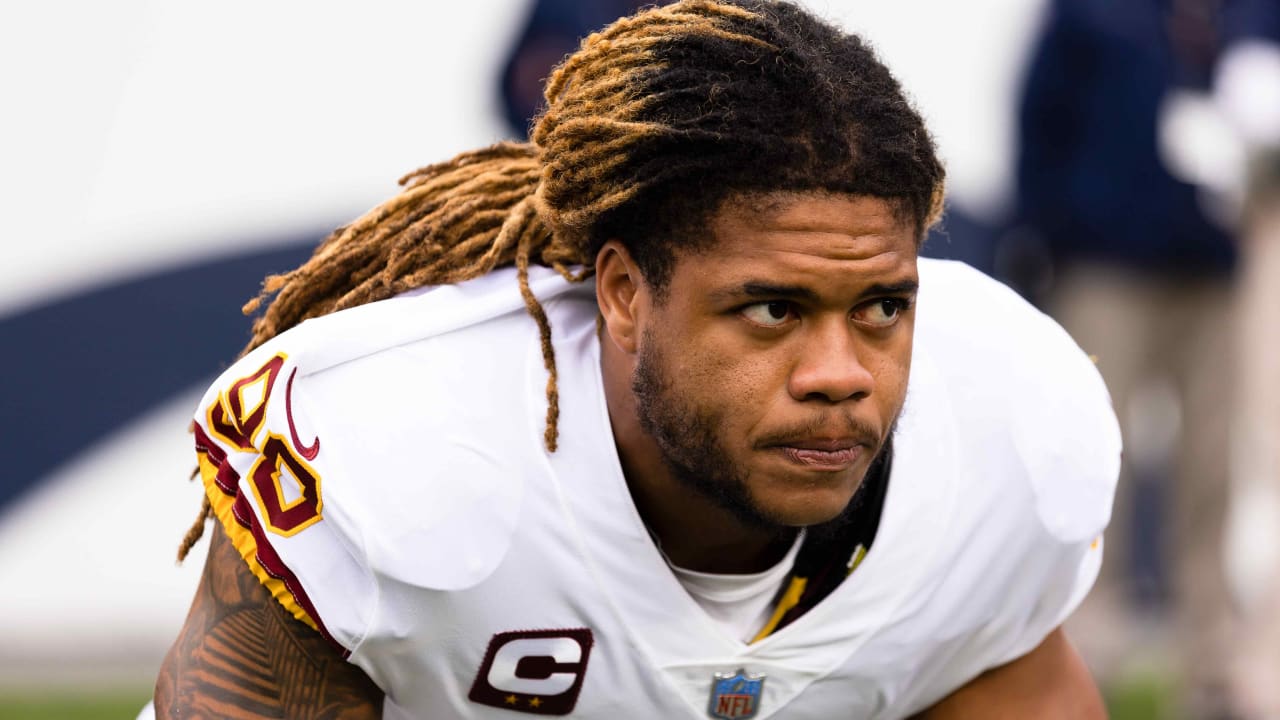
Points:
[[735, 97]]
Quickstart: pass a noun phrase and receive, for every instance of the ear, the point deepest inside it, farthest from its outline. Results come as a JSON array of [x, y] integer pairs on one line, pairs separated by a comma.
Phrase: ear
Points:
[[621, 294]]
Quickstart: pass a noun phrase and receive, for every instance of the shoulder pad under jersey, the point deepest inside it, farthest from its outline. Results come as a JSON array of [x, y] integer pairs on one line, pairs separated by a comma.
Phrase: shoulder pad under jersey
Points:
[[382, 442], [1032, 378]]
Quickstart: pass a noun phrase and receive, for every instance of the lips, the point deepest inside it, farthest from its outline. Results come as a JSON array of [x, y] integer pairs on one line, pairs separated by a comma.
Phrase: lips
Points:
[[832, 445], [823, 454]]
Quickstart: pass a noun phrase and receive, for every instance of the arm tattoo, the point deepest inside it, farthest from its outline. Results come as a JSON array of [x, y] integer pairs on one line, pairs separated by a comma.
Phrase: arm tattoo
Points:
[[241, 655]]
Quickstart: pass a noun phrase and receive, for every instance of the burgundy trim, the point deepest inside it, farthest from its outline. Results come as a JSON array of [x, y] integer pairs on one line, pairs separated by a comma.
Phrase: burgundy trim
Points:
[[227, 480], [308, 452], [242, 512], [207, 446], [275, 567], [226, 477]]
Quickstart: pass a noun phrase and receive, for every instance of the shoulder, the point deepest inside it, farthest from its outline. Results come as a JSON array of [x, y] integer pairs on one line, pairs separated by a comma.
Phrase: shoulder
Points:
[[1021, 387], [383, 368], [405, 423], [371, 374], [414, 317], [1008, 419]]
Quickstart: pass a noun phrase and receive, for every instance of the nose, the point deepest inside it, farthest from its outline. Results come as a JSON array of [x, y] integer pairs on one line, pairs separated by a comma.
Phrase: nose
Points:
[[829, 367]]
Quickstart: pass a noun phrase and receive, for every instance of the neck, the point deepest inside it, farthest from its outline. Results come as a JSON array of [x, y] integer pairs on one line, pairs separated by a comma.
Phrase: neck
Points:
[[694, 531]]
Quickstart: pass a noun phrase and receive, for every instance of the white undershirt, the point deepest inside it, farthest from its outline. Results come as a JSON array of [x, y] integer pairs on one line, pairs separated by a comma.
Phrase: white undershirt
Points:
[[741, 604]]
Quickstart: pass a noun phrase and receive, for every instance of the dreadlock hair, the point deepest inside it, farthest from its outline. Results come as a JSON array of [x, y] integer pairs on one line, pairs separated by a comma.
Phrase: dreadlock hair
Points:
[[648, 128]]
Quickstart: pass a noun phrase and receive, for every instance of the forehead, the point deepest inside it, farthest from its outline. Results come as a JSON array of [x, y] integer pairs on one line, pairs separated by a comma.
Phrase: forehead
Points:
[[814, 238]]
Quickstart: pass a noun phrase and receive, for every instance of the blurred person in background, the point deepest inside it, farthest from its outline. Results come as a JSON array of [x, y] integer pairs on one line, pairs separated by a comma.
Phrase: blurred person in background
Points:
[[1137, 267], [1247, 94], [552, 31]]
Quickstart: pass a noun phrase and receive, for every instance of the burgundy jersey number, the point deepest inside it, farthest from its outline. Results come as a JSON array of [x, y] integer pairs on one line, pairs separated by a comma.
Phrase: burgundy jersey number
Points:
[[290, 510]]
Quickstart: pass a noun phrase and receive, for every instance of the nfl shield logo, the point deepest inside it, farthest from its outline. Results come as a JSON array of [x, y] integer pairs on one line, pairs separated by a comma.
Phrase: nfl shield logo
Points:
[[735, 696]]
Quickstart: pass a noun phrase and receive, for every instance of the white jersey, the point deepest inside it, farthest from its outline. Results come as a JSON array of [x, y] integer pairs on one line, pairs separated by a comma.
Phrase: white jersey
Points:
[[382, 470]]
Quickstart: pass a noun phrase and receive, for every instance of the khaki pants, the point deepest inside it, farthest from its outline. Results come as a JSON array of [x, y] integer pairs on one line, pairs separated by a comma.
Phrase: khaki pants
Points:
[[1165, 347], [1256, 474]]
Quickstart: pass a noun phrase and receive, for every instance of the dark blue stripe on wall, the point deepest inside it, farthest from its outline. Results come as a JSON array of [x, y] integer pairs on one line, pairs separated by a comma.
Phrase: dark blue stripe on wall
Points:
[[79, 368]]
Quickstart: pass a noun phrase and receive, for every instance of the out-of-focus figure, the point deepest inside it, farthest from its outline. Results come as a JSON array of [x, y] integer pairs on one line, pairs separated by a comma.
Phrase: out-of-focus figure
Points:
[[1137, 267], [1247, 92], [552, 31]]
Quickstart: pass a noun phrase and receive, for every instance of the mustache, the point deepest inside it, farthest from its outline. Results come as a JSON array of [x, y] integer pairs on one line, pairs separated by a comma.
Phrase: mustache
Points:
[[828, 425]]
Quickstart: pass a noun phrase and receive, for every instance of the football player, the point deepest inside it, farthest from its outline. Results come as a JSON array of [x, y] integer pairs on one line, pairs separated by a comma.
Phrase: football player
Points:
[[656, 415]]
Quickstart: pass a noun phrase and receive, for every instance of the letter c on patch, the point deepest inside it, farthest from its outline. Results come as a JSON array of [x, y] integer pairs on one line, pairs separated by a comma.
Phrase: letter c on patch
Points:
[[533, 671]]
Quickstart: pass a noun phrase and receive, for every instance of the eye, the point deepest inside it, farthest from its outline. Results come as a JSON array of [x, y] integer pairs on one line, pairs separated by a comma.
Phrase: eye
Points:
[[768, 314], [881, 313]]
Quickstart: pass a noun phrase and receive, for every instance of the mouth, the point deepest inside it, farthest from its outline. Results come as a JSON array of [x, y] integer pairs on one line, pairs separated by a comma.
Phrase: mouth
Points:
[[823, 454]]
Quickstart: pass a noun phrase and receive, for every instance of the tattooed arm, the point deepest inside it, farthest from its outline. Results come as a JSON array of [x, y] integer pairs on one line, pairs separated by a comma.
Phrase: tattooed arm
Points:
[[241, 655]]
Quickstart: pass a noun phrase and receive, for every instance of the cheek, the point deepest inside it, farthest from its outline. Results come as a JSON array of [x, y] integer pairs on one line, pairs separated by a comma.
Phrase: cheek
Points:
[[892, 370], [727, 382]]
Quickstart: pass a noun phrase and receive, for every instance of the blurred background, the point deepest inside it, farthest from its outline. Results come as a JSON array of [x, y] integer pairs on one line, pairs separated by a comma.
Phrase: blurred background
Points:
[[1117, 163]]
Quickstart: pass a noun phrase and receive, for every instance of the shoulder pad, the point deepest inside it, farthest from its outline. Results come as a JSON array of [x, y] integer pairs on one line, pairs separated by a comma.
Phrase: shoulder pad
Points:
[[374, 435], [1039, 384]]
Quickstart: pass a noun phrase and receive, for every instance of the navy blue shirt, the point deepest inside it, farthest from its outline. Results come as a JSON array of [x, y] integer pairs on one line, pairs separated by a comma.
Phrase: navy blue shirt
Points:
[[1090, 179]]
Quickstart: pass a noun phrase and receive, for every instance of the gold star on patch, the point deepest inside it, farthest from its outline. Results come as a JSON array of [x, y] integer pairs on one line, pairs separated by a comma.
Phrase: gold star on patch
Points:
[[535, 702], [510, 699]]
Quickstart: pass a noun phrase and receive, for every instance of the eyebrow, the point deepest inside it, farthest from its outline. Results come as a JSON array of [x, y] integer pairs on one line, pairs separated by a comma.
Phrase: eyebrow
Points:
[[757, 289], [768, 290], [905, 287]]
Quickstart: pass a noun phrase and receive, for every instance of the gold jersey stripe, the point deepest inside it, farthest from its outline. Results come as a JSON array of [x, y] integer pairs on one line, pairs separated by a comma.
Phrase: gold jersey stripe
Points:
[[790, 599], [246, 544], [859, 553]]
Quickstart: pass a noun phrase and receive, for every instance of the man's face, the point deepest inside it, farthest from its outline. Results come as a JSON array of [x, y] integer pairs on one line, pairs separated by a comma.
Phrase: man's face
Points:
[[772, 370]]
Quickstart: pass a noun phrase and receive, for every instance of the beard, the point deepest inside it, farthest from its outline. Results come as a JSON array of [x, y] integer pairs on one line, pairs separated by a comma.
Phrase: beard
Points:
[[696, 457], [686, 436]]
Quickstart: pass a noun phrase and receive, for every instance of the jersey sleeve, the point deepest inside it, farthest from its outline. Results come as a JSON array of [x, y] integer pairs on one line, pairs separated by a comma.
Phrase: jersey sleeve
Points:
[[1067, 439], [1036, 594], [1065, 442], [1073, 567], [1045, 465], [264, 468]]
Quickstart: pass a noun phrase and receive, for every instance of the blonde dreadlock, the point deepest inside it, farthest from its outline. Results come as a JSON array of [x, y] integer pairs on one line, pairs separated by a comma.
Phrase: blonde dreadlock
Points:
[[650, 125]]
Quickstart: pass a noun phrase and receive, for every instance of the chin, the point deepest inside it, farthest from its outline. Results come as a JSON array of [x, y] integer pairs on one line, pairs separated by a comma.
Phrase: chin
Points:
[[807, 498], [806, 507]]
